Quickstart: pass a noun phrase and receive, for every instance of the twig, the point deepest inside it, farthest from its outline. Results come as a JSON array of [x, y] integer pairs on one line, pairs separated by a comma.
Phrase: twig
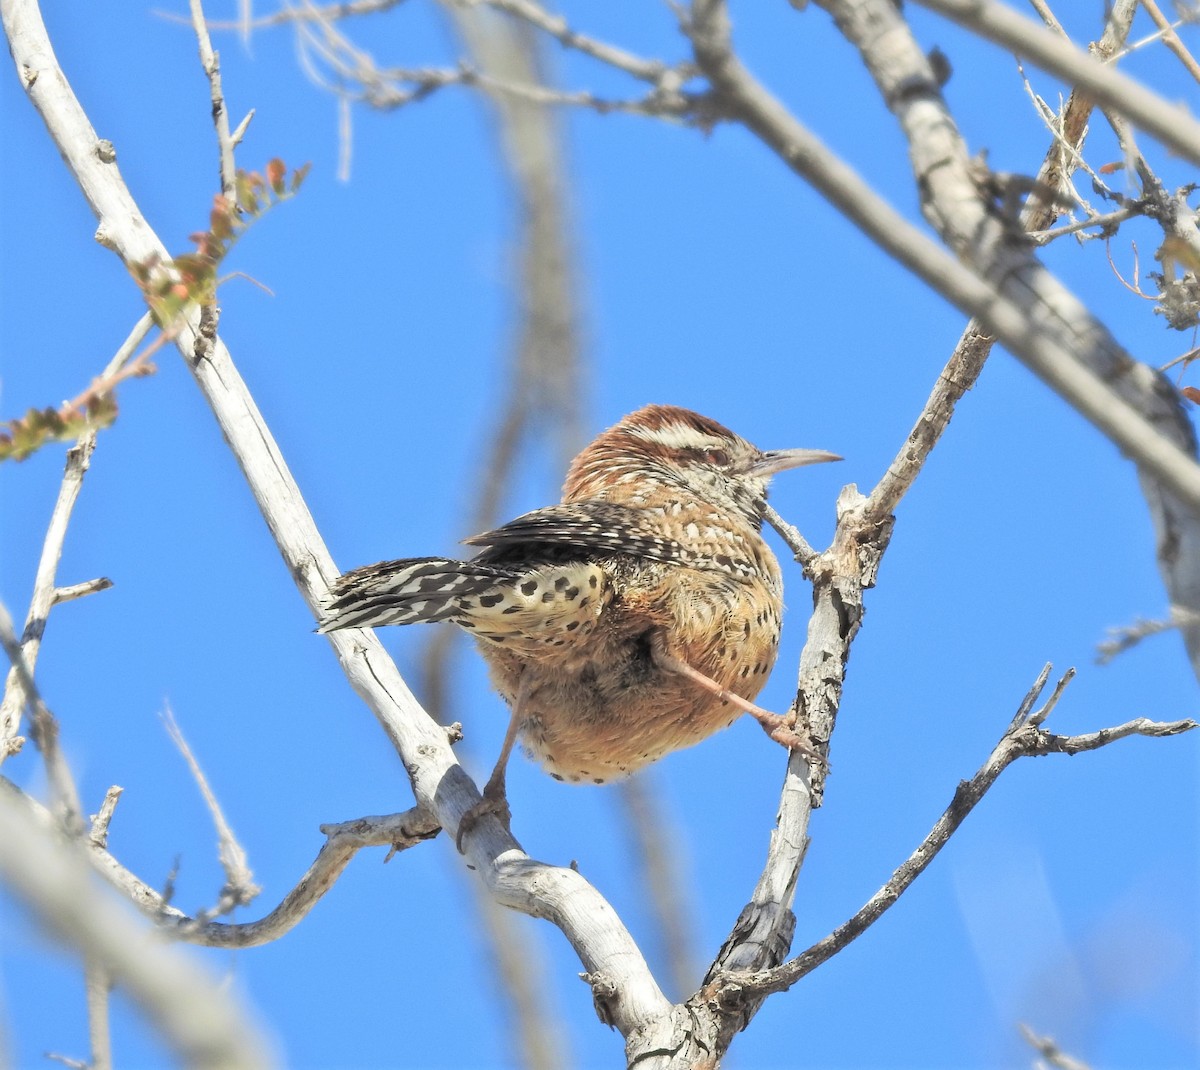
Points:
[[1171, 39], [235, 139], [1031, 696], [1106, 222], [1026, 739], [1184, 359], [1134, 287], [1048, 16], [98, 836], [557, 27], [805, 555], [1069, 156], [97, 986], [291, 14], [514, 879], [1046, 1047], [1122, 639], [197, 1017], [211, 62], [391, 88], [80, 590], [44, 729], [45, 590], [240, 889], [1167, 122], [1189, 16], [343, 841], [959, 375]]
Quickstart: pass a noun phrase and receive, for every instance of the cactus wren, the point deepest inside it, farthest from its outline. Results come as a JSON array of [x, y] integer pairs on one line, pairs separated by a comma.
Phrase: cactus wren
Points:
[[638, 617]]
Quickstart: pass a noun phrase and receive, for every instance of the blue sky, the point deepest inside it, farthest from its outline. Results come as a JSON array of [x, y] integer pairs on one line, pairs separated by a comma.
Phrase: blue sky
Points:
[[711, 278]]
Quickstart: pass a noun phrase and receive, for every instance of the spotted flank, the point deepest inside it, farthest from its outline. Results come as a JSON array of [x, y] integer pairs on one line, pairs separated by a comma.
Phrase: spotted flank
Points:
[[543, 608]]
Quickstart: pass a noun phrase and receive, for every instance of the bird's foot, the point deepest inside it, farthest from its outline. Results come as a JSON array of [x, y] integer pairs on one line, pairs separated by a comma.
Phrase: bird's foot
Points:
[[495, 804], [783, 731]]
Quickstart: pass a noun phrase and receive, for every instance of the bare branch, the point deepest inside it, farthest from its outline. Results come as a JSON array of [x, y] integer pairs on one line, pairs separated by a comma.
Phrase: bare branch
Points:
[[240, 889], [1049, 330], [805, 555], [211, 62], [344, 840], [44, 730], [1055, 1057], [80, 590], [1188, 15], [439, 782], [98, 836], [1026, 739], [308, 13], [1167, 122], [45, 592], [1106, 223], [97, 986], [556, 26], [235, 139], [1123, 639], [197, 1018], [17, 690], [959, 375], [1171, 39], [1031, 696]]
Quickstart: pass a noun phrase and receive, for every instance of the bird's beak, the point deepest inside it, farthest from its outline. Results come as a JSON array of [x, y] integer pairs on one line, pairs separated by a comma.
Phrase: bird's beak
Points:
[[772, 461]]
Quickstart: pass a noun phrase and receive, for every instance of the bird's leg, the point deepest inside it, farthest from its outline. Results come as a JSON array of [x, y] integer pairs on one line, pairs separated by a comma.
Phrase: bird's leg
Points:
[[495, 797], [780, 728]]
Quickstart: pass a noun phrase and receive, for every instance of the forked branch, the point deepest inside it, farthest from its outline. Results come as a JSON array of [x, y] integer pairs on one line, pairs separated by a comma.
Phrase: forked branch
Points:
[[1023, 738]]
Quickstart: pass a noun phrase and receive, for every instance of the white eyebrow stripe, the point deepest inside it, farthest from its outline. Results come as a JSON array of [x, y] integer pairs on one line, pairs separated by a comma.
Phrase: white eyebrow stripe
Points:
[[675, 436]]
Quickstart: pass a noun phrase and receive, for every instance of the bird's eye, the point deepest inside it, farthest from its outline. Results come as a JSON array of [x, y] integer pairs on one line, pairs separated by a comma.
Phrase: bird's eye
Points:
[[717, 457]]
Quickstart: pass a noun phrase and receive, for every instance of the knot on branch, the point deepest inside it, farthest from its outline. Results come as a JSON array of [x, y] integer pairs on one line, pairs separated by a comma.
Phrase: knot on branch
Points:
[[605, 995]]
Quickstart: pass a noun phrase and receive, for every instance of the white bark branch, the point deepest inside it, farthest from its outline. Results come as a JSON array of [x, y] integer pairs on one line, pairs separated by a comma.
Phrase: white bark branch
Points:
[[1168, 123], [196, 1016], [1031, 330], [970, 225], [441, 786], [1026, 309]]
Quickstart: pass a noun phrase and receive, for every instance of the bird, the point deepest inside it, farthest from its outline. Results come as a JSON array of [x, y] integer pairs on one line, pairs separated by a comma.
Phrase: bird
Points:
[[637, 617]]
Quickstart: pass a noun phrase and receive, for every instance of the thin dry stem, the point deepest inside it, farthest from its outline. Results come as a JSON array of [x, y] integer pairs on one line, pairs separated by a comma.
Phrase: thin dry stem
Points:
[[97, 986], [240, 888], [1024, 740], [1171, 39], [98, 836], [80, 590], [211, 62]]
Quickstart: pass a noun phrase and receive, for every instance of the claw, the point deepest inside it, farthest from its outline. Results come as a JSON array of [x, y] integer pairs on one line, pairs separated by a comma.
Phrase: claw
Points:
[[493, 804], [783, 732]]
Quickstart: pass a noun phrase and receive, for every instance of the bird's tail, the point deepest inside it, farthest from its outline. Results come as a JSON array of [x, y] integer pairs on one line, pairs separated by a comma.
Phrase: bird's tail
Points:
[[412, 591]]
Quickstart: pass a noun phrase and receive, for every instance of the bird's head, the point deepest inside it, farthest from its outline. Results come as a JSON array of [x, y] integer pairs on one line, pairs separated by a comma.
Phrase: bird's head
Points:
[[663, 454]]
